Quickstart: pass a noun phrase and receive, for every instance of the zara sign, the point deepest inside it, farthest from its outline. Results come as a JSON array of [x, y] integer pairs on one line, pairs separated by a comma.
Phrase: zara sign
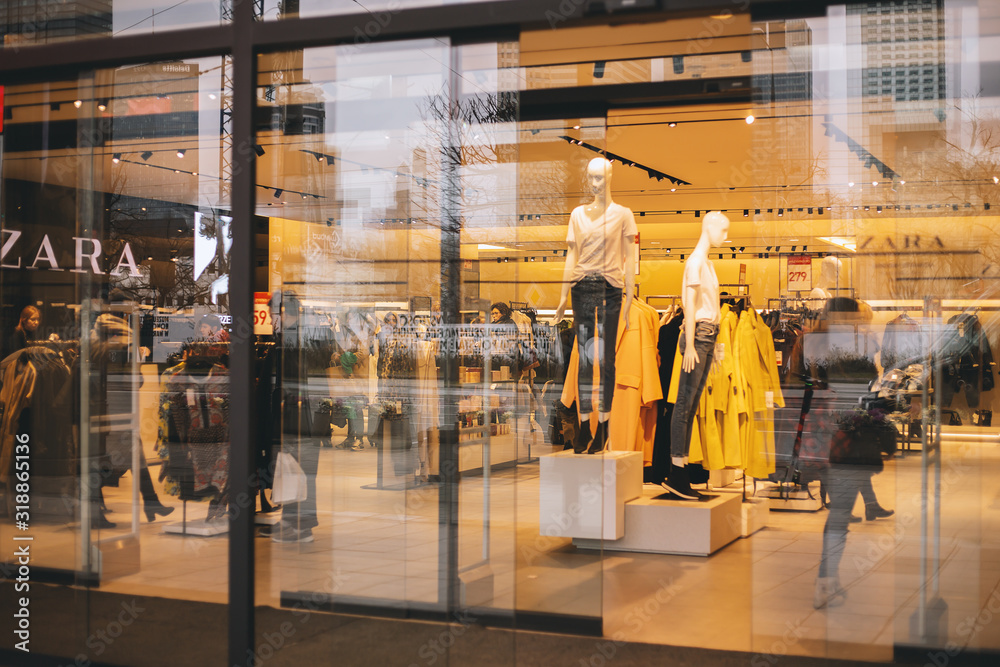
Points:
[[87, 255]]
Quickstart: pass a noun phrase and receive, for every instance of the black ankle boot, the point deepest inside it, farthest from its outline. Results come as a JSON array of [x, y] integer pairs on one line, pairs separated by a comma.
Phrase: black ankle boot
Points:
[[600, 438], [582, 438], [679, 483]]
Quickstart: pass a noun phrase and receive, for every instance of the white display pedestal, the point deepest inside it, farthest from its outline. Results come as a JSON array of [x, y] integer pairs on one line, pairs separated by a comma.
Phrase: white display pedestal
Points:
[[584, 495], [755, 515], [691, 528], [199, 528], [718, 479]]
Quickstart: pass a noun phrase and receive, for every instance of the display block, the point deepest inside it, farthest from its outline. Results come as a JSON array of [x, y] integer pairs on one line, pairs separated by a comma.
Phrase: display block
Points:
[[690, 528], [755, 515], [718, 479], [584, 495]]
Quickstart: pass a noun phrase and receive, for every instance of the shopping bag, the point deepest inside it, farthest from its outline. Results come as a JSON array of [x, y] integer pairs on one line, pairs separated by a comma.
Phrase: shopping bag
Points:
[[289, 480]]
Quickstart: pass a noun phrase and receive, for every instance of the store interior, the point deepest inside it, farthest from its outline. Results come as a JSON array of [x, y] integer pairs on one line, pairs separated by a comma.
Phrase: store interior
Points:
[[351, 209]]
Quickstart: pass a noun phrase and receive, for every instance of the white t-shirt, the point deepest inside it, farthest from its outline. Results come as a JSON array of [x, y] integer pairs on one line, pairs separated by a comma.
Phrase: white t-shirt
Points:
[[600, 243], [701, 275]]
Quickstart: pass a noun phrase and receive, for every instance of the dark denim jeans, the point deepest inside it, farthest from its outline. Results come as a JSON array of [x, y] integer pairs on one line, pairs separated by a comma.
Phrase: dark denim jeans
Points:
[[690, 388], [597, 305], [845, 482]]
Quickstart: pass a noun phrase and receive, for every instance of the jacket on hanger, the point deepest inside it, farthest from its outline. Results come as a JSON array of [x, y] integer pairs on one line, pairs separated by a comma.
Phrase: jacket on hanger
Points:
[[637, 387]]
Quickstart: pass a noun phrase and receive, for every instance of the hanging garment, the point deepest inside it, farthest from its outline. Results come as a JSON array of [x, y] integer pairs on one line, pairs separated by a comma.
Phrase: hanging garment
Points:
[[637, 387], [902, 343], [666, 350], [968, 359], [194, 431], [762, 392]]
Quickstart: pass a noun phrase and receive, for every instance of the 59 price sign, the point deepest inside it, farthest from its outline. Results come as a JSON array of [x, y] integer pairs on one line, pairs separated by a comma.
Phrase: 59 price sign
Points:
[[262, 324], [799, 273]]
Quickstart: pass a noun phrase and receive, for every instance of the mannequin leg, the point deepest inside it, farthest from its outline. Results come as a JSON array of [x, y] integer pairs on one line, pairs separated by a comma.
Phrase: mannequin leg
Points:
[[691, 386]]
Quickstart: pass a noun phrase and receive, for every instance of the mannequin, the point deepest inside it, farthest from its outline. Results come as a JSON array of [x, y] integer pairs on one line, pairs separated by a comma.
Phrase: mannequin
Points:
[[700, 299], [600, 263], [829, 274]]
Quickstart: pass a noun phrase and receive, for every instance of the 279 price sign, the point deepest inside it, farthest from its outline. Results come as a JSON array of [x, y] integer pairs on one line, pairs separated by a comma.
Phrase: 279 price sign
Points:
[[799, 273]]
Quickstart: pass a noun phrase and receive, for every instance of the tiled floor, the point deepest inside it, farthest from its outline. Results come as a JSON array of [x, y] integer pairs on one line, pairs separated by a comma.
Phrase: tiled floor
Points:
[[754, 595]]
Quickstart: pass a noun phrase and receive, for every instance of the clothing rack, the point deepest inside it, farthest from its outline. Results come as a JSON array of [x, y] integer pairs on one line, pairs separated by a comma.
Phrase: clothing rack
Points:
[[738, 286], [674, 298]]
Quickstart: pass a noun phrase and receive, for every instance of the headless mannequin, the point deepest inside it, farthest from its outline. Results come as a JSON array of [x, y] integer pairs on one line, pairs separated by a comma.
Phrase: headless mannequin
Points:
[[829, 274], [599, 224], [700, 299]]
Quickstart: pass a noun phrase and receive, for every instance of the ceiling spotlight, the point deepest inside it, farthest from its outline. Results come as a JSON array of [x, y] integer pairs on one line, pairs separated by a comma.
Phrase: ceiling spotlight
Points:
[[996, 179], [181, 152], [78, 103], [145, 155], [866, 208], [781, 212], [768, 248], [902, 182], [55, 106], [805, 248], [756, 211], [319, 157], [742, 248], [851, 184], [576, 127], [821, 210], [697, 214], [733, 248], [794, 247], [750, 119], [874, 183], [671, 124], [746, 212], [278, 192], [777, 248], [673, 189], [102, 105], [259, 150], [116, 158], [878, 209], [810, 210]]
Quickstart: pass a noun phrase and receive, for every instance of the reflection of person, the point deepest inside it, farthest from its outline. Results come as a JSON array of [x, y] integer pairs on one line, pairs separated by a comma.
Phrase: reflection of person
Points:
[[600, 263], [700, 299], [210, 328], [348, 374], [838, 351], [297, 352], [25, 330], [110, 341]]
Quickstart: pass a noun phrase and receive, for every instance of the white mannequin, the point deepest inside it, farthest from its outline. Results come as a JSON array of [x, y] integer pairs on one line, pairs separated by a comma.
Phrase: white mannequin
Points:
[[594, 213], [714, 229], [829, 275]]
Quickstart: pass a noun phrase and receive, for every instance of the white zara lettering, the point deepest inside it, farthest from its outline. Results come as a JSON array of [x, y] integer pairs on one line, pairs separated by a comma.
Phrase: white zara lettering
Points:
[[8, 245], [45, 254]]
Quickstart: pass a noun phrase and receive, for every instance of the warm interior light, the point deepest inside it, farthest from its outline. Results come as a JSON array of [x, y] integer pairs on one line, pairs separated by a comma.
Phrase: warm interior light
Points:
[[116, 158], [723, 16], [78, 104], [487, 246], [851, 184], [847, 243], [750, 119], [181, 152]]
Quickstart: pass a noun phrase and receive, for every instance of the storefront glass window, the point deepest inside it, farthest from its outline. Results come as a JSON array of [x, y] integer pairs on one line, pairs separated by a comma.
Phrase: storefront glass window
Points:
[[29, 22]]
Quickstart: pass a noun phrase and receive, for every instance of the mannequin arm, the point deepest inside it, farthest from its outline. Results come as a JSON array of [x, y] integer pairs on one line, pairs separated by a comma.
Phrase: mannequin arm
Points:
[[688, 299], [629, 276], [571, 259]]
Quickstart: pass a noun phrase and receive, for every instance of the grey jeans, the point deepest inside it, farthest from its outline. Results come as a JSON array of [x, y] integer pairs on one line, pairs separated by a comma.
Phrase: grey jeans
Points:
[[690, 388]]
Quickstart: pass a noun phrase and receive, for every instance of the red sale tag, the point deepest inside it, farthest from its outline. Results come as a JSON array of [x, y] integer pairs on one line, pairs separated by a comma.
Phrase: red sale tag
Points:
[[799, 273]]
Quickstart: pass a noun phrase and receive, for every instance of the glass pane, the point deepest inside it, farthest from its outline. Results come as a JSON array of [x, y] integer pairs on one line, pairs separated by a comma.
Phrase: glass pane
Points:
[[111, 185], [29, 22]]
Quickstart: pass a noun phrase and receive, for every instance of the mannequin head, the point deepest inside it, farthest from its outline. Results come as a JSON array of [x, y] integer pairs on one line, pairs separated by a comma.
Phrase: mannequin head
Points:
[[829, 271], [715, 225], [599, 177]]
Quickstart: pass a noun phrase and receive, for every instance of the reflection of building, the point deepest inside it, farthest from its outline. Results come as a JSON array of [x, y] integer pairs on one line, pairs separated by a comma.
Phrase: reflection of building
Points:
[[29, 21]]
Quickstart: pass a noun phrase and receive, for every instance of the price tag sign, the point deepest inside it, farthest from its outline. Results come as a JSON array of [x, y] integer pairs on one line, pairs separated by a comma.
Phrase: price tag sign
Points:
[[262, 324], [799, 273]]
